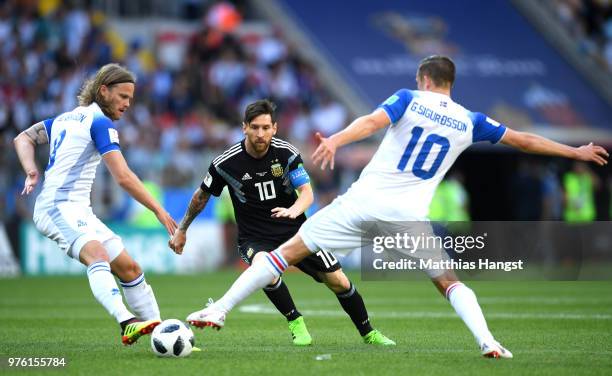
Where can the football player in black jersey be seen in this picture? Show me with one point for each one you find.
(270, 190)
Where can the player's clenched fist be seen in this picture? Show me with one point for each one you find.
(178, 242)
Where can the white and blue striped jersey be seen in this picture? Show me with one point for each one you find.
(428, 132)
(77, 140)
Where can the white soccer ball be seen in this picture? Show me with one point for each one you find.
(172, 338)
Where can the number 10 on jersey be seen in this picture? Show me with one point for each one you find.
(417, 166)
(266, 190)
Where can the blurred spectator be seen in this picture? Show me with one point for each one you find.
(226, 75)
(271, 49)
(579, 185)
(302, 127)
(451, 200)
(589, 22)
(552, 200)
(527, 189)
(223, 16)
(330, 116)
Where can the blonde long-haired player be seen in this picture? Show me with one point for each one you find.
(79, 140)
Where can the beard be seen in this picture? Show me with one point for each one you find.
(105, 106)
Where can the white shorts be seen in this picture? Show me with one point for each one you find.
(335, 228)
(342, 227)
(72, 225)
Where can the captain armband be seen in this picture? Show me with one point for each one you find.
(299, 176)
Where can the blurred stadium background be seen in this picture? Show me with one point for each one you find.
(540, 66)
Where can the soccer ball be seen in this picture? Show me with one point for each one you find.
(172, 338)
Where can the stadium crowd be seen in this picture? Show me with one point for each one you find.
(589, 22)
(182, 115)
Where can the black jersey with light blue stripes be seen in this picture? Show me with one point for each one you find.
(256, 186)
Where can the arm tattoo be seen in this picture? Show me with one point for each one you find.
(37, 133)
(196, 205)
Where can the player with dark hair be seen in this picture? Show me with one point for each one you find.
(270, 190)
(79, 140)
(426, 132)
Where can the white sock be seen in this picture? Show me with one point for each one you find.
(140, 298)
(106, 291)
(259, 275)
(463, 300)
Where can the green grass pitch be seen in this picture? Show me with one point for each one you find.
(553, 328)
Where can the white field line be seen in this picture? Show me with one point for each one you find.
(269, 310)
(436, 299)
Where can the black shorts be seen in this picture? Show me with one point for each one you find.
(320, 262)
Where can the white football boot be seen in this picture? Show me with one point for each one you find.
(209, 316)
(493, 349)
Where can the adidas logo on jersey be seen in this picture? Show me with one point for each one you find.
(246, 177)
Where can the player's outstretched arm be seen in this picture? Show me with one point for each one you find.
(25, 146)
(360, 128)
(196, 205)
(122, 174)
(532, 143)
(303, 202)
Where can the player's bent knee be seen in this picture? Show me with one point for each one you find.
(294, 250)
(135, 269)
(129, 271)
(125, 267)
